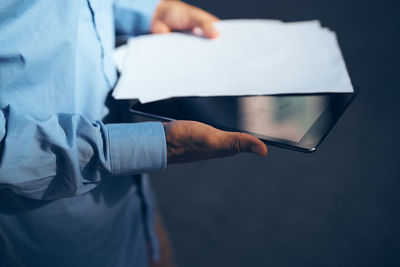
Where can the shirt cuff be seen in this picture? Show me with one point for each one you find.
(137, 148)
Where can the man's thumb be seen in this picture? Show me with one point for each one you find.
(248, 143)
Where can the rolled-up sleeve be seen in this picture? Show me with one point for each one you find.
(133, 17)
(67, 155)
(137, 148)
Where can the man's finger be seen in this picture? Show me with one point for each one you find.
(209, 30)
(205, 22)
(160, 27)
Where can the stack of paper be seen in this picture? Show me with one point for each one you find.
(251, 57)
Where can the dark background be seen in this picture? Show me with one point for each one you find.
(336, 207)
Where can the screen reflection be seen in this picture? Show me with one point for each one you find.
(284, 117)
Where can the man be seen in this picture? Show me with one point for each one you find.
(70, 194)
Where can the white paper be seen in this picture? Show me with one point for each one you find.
(251, 57)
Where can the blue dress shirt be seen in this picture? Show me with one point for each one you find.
(67, 194)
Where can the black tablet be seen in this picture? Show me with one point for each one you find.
(298, 122)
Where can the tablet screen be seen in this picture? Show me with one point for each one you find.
(296, 121)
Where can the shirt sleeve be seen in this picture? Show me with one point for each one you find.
(67, 155)
(133, 17)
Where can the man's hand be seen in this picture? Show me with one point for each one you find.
(173, 15)
(191, 141)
